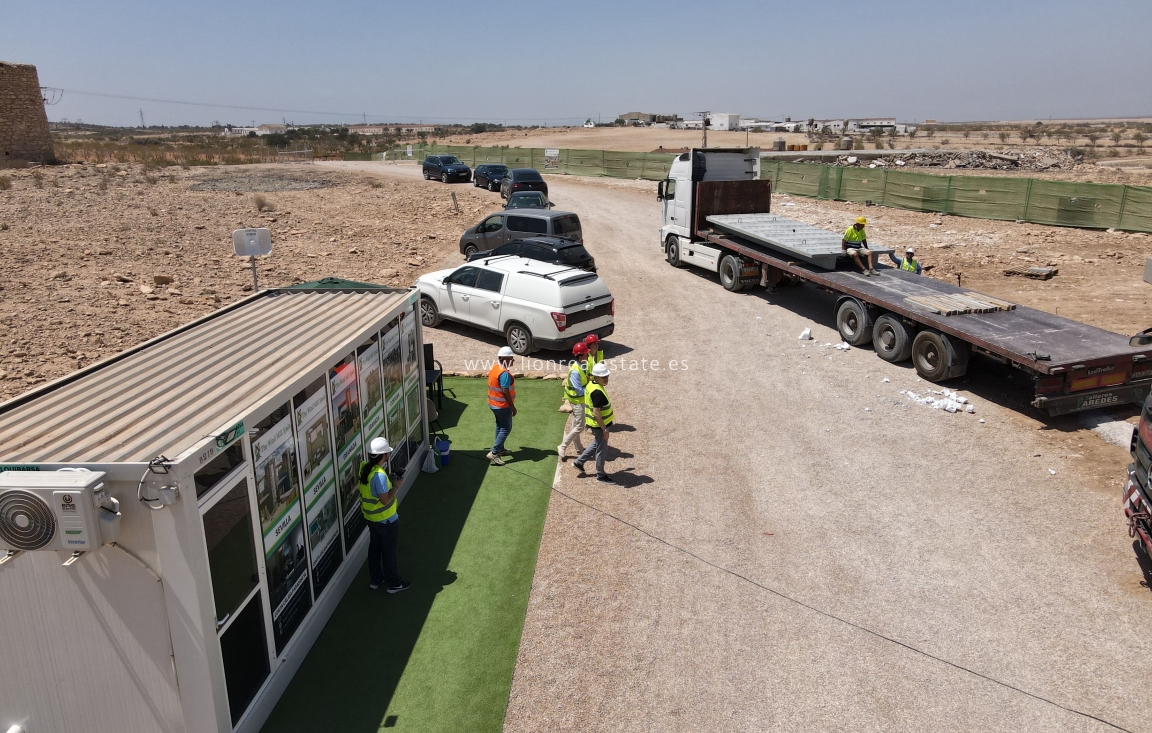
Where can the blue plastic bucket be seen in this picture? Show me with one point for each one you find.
(443, 446)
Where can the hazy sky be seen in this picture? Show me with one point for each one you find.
(552, 62)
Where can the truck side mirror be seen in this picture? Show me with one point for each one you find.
(1144, 338)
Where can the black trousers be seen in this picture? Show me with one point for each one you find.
(383, 538)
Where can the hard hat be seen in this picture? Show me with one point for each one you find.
(910, 251)
(505, 352)
(579, 349)
(379, 446)
(591, 339)
(861, 220)
(600, 370)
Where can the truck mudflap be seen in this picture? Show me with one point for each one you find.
(1136, 509)
(1092, 399)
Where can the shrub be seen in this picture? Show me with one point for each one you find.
(5, 183)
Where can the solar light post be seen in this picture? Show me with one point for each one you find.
(252, 243)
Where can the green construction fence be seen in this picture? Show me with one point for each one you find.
(1059, 203)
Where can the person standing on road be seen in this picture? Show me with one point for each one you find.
(595, 353)
(598, 416)
(855, 242)
(378, 505)
(574, 387)
(909, 263)
(502, 400)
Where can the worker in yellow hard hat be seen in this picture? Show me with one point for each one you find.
(855, 243)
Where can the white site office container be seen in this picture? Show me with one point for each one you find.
(197, 617)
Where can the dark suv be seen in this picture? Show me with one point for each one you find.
(522, 179)
(546, 249)
(489, 175)
(447, 168)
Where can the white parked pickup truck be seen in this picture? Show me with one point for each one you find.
(536, 305)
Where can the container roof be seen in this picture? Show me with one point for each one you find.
(167, 394)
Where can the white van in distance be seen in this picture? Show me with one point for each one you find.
(536, 305)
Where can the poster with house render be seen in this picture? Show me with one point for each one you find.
(372, 388)
(318, 477)
(346, 427)
(285, 559)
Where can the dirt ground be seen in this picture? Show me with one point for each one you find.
(86, 248)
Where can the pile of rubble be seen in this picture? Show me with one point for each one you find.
(1037, 159)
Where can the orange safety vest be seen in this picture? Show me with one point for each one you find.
(495, 392)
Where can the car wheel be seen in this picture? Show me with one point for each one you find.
(730, 274)
(443, 177)
(429, 313)
(426, 176)
(853, 322)
(891, 339)
(519, 339)
(673, 254)
(470, 250)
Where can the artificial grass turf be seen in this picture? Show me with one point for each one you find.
(439, 656)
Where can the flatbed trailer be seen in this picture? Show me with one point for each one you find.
(1074, 366)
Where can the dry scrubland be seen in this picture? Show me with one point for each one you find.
(86, 250)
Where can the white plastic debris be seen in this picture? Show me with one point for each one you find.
(806, 335)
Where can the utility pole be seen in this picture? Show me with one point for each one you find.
(141, 119)
(704, 127)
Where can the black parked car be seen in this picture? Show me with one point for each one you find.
(447, 168)
(528, 200)
(522, 179)
(547, 249)
(489, 175)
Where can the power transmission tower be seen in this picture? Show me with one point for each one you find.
(141, 119)
(704, 127)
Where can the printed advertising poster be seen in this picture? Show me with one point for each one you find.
(393, 371)
(277, 492)
(346, 427)
(408, 343)
(372, 388)
(319, 478)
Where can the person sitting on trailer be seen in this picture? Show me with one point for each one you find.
(908, 263)
(855, 241)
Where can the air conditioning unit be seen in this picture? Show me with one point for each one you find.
(67, 510)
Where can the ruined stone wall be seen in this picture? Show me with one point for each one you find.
(23, 123)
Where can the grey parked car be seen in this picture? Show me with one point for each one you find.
(506, 226)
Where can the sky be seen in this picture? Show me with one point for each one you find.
(550, 62)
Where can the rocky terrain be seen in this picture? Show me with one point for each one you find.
(99, 258)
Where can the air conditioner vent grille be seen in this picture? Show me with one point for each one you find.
(26, 521)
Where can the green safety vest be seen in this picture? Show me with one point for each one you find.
(908, 264)
(570, 393)
(370, 506)
(605, 412)
(851, 235)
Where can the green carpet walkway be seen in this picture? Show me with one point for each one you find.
(439, 657)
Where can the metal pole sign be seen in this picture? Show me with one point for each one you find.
(252, 243)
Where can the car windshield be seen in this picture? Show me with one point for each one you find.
(573, 254)
(449, 160)
(568, 227)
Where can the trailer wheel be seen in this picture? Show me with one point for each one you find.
(937, 357)
(892, 339)
(672, 247)
(853, 322)
(730, 274)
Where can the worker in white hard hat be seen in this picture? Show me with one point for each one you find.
(908, 262)
(378, 505)
(599, 417)
(502, 401)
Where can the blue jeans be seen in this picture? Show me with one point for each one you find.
(503, 427)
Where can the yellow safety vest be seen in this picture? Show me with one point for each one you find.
(370, 506)
(908, 264)
(570, 393)
(605, 412)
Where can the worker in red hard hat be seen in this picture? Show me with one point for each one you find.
(574, 385)
(595, 353)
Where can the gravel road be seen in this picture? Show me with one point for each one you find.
(794, 545)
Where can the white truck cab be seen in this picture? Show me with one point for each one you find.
(678, 195)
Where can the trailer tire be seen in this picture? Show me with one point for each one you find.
(891, 339)
(853, 322)
(672, 250)
(938, 357)
(730, 273)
